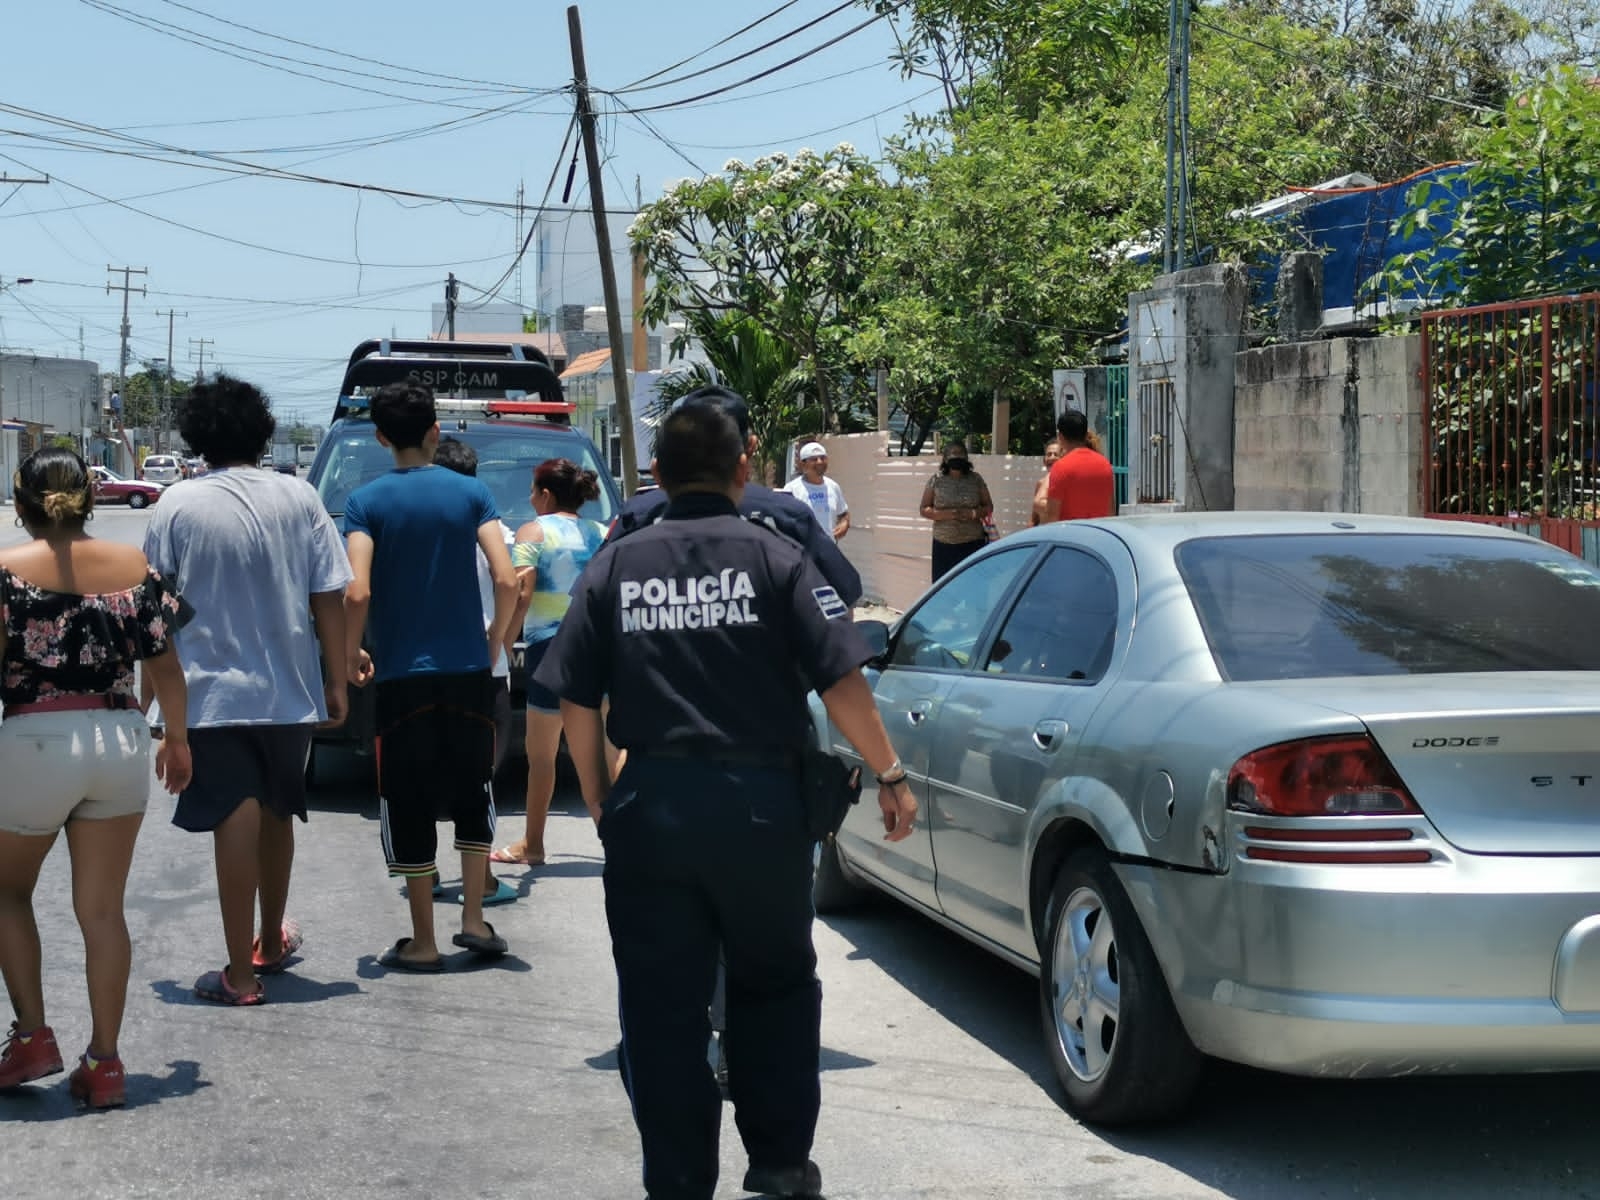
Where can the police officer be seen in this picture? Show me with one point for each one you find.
(706, 842)
(776, 510)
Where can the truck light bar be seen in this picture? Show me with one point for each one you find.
(488, 408)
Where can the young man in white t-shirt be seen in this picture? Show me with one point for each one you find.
(824, 496)
(461, 458)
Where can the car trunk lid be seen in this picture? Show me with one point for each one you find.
(1500, 763)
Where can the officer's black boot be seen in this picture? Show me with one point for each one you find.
(800, 1182)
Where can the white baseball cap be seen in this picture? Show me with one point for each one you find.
(813, 450)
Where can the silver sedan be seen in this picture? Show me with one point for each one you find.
(1314, 793)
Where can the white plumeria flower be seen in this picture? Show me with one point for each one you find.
(808, 210)
(734, 166)
(767, 213)
(846, 149)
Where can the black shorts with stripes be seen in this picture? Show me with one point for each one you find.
(435, 755)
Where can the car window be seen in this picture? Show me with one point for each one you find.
(507, 457)
(1064, 623)
(943, 631)
(1316, 606)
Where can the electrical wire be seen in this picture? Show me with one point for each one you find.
(717, 45)
(804, 137)
(218, 46)
(728, 62)
(773, 70)
(376, 62)
(489, 294)
(342, 262)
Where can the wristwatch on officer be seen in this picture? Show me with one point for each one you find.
(895, 774)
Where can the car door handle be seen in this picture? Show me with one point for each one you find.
(1048, 735)
(918, 712)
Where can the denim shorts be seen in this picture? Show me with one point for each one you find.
(72, 766)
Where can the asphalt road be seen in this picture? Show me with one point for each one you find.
(500, 1081)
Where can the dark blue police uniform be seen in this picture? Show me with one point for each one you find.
(706, 632)
(777, 511)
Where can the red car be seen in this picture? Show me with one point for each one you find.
(111, 488)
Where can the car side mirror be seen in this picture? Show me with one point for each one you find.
(876, 634)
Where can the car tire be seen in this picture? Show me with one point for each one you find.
(832, 891)
(1114, 1038)
(137, 500)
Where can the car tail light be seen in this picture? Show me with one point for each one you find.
(1319, 777)
(1346, 776)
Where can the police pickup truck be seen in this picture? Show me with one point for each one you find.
(504, 401)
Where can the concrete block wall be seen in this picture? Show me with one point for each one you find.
(1332, 426)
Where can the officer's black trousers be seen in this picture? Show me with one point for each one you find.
(700, 855)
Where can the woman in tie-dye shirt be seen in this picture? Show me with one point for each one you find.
(550, 553)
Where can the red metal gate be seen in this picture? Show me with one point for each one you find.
(1512, 417)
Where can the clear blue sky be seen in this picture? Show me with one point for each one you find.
(289, 322)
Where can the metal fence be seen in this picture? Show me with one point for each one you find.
(1512, 426)
(1117, 427)
(1157, 426)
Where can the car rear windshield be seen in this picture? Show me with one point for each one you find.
(506, 459)
(1315, 606)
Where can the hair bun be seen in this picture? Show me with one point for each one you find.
(65, 506)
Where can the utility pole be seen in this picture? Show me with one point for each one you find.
(1174, 242)
(126, 289)
(451, 290)
(608, 267)
(520, 255)
(200, 373)
(166, 383)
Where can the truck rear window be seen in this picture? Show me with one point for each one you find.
(506, 460)
(1319, 606)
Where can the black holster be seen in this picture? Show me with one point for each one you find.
(828, 788)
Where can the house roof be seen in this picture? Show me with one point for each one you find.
(588, 364)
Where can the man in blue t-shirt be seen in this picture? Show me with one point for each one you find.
(413, 538)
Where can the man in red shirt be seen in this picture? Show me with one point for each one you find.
(1082, 483)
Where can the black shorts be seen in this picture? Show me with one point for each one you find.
(538, 697)
(436, 747)
(235, 763)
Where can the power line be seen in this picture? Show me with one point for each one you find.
(770, 71)
(717, 45)
(728, 62)
(254, 56)
(221, 237)
(376, 62)
(154, 151)
(802, 137)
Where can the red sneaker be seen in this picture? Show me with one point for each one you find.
(97, 1083)
(28, 1056)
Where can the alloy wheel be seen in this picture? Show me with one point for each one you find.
(1086, 993)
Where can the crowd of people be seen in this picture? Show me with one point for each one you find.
(251, 616)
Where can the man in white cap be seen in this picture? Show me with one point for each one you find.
(825, 496)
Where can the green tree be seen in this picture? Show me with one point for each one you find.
(785, 242)
(764, 370)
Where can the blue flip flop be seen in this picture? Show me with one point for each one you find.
(503, 893)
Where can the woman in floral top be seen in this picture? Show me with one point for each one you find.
(76, 613)
(956, 500)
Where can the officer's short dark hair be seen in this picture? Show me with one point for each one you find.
(457, 456)
(403, 413)
(729, 402)
(698, 445)
(1073, 426)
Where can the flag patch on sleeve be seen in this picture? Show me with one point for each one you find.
(829, 603)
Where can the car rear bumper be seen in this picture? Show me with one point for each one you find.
(1471, 964)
